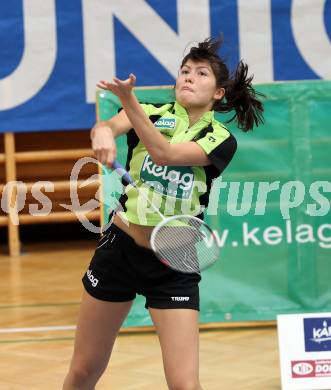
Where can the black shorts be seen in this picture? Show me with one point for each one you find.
(120, 269)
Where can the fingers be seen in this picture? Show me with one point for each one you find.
(110, 158)
(106, 85)
(102, 84)
(117, 83)
(105, 156)
(133, 78)
(121, 84)
(104, 147)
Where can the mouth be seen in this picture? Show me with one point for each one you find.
(187, 89)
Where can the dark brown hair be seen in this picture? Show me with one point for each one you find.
(240, 96)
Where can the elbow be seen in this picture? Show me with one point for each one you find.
(160, 162)
(160, 159)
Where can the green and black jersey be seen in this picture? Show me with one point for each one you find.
(174, 189)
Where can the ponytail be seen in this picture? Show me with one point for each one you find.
(242, 98)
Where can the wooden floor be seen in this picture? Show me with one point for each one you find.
(40, 293)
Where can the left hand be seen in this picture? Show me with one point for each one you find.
(121, 88)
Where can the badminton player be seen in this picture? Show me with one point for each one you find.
(180, 142)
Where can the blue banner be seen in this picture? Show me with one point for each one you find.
(54, 52)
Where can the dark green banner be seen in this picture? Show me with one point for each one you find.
(270, 209)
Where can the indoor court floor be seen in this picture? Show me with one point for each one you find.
(39, 300)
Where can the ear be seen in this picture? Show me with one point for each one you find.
(219, 93)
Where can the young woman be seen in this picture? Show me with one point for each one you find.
(183, 140)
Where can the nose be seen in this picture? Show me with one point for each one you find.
(188, 78)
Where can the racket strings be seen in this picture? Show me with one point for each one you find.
(185, 244)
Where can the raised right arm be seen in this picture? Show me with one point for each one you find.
(103, 136)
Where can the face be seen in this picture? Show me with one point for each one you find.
(196, 86)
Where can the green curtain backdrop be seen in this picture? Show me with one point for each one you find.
(272, 261)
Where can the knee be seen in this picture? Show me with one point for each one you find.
(82, 374)
(78, 376)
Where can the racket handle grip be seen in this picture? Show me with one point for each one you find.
(122, 172)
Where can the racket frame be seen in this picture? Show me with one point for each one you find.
(174, 217)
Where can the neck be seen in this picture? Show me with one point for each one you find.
(195, 114)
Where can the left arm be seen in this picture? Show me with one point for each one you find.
(160, 150)
(187, 154)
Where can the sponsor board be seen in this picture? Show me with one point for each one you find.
(86, 40)
(305, 356)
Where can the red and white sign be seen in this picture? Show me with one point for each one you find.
(311, 368)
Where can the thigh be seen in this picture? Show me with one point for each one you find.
(165, 288)
(178, 332)
(98, 324)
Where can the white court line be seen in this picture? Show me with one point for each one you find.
(37, 329)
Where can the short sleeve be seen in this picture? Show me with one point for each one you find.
(148, 108)
(153, 110)
(219, 145)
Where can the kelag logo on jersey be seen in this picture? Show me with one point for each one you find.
(317, 334)
(171, 181)
(166, 123)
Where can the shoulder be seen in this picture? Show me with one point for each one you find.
(219, 144)
(216, 134)
(224, 135)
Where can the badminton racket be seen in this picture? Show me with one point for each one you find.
(182, 242)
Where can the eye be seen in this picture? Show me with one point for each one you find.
(184, 71)
(202, 73)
